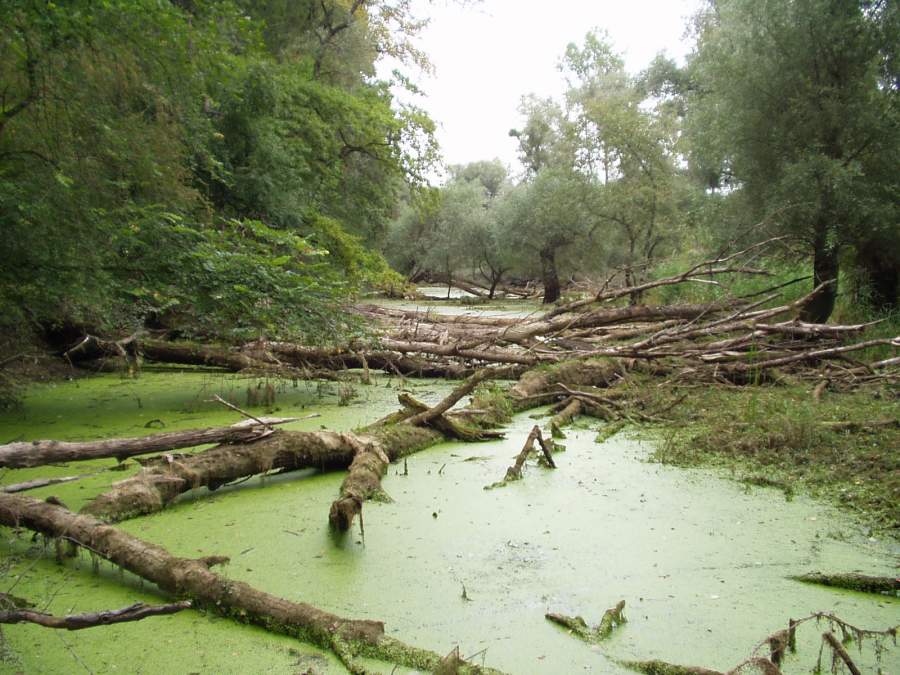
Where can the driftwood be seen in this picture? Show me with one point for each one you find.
(853, 581)
(778, 643)
(612, 618)
(194, 580)
(156, 486)
(514, 472)
(36, 453)
(134, 612)
(40, 482)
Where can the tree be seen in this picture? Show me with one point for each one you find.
(548, 216)
(539, 137)
(200, 165)
(795, 110)
(627, 146)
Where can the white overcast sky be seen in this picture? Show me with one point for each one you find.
(487, 56)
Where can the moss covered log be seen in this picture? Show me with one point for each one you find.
(194, 580)
(156, 486)
(853, 581)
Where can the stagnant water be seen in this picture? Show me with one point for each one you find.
(700, 560)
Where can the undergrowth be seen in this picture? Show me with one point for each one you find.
(781, 437)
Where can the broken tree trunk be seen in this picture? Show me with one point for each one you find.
(853, 581)
(840, 652)
(194, 580)
(135, 612)
(370, 461)
(155, 487)
(514, 472)
(612, 618)
(37, 453)
(569, 411)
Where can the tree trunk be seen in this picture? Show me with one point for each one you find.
(882, 273)
(155, 487)
(38, 453)
(825, 268)
(549, 275)
(193, 579)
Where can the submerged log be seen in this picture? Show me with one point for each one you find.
(664, 668)
(853, 582)
(612, 618)
(155, 487)
(514, 472)
(135, 612)
(760, 664)
(194, 580)
(37, 453)
(40, 482)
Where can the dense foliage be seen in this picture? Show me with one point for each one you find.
(785, 121)
(218, 167)
(231, 168)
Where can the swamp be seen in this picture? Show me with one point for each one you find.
(304, 371)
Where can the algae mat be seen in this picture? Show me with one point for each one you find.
(700, 560)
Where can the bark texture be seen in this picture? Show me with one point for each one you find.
(38, 453)
(135, 612)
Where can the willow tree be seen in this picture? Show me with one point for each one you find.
(550, 220)
(794, 108)
(626, 144)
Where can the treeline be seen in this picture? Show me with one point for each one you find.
(784, 121)
(224, 168)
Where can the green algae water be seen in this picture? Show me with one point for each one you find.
(700, 561)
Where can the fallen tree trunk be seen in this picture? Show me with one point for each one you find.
(194, 580)
(569, 411)
(199, 355)
(337, 358)
(612, 618)
(522, 332)
(155, 487)
(135, 612)
(514, 472)
(853, 582)
(370, 461)
(37, 453)
(429, 316)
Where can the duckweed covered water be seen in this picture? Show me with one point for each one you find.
(700, 561)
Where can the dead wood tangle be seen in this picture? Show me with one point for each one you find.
(576, 357)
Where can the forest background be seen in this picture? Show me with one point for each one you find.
(228, 170)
